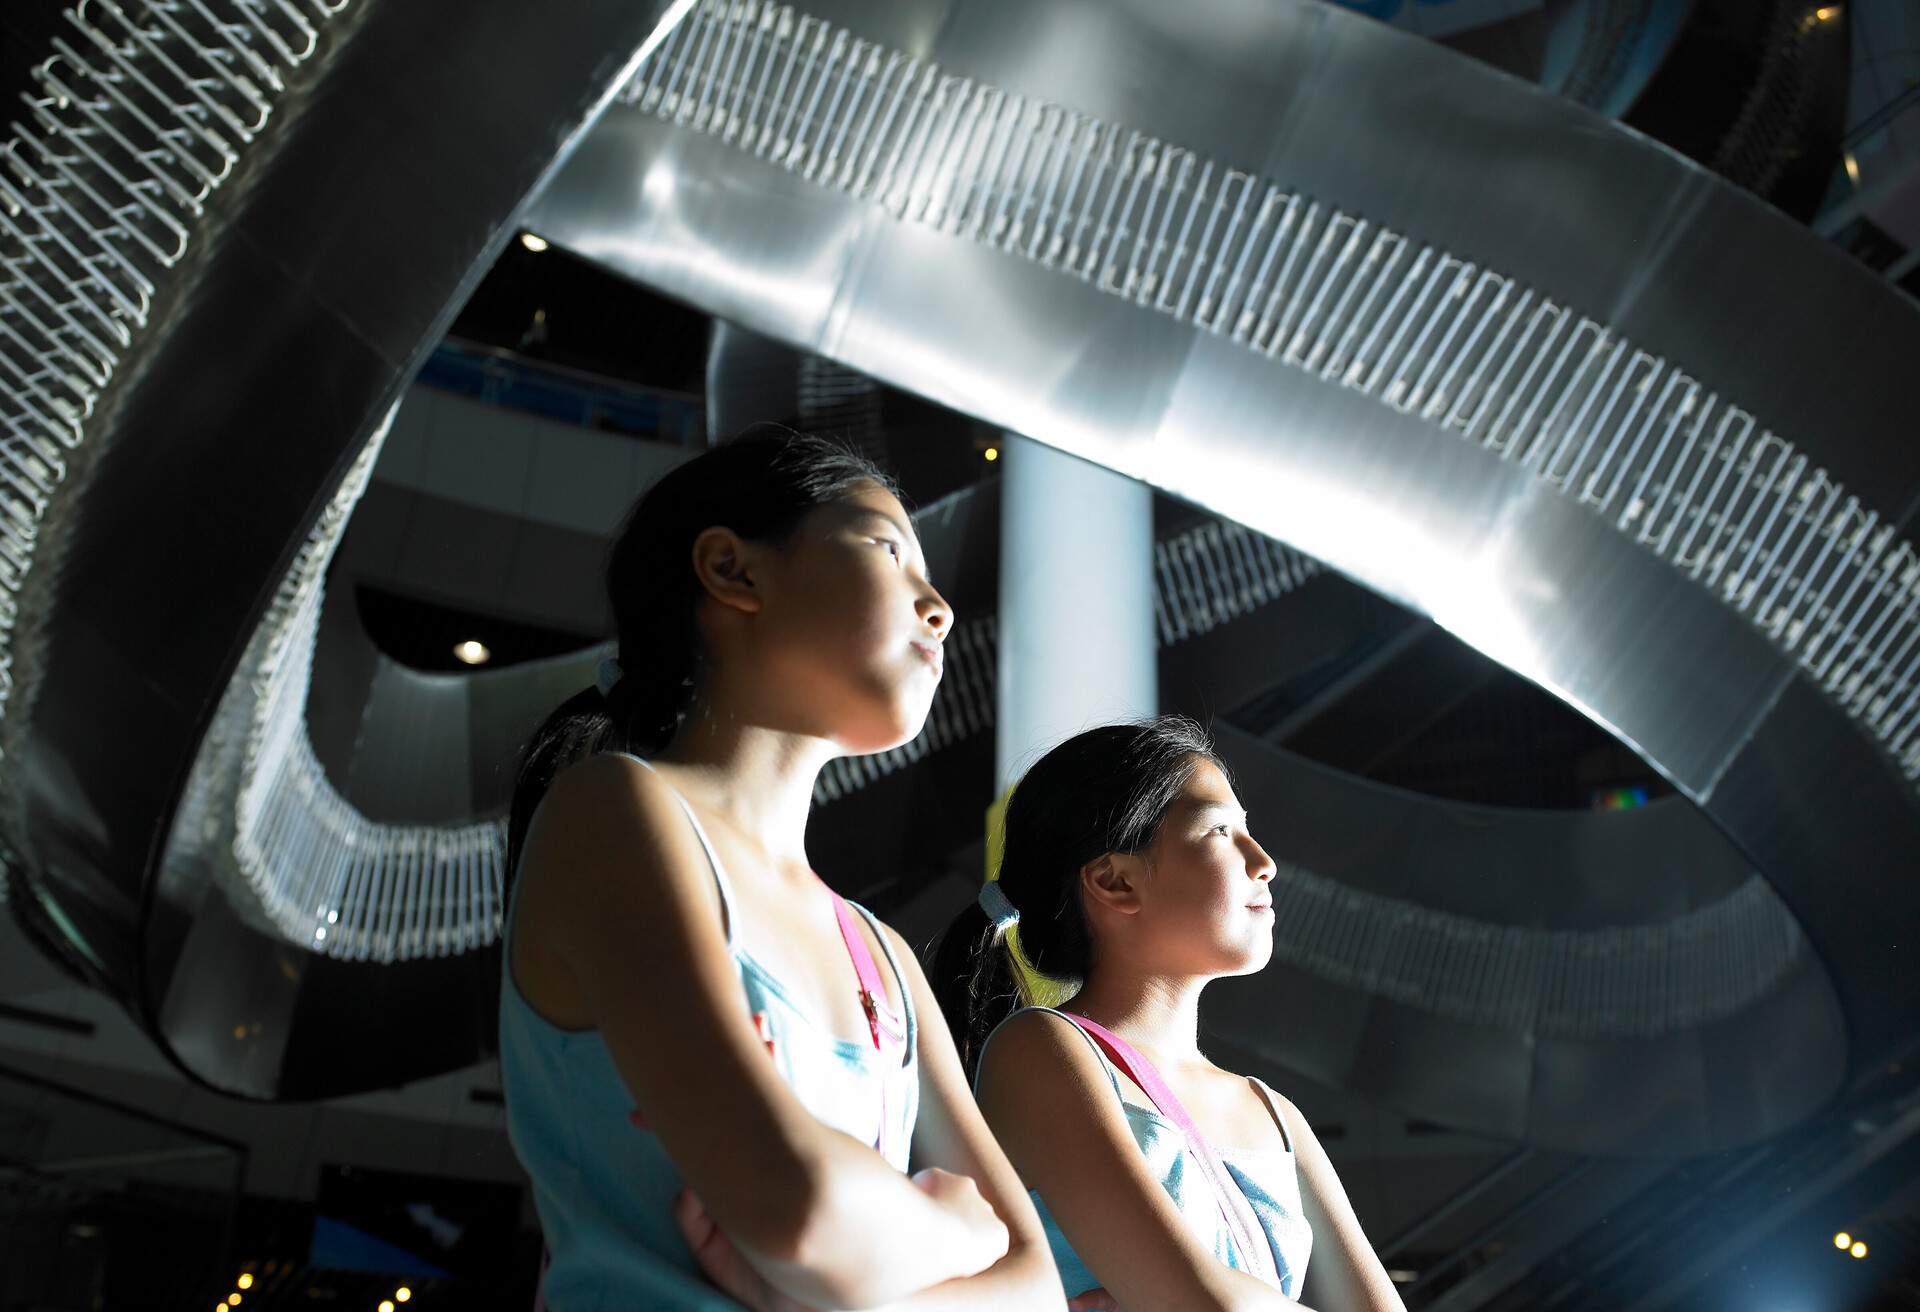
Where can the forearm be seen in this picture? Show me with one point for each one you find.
(1236, 1291)
(869, 1236)
(1343, 1285)
(1024, 1278)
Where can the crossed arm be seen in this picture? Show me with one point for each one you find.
(630, 908)
(1048, 1100)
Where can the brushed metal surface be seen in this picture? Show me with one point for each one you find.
(1616, 424)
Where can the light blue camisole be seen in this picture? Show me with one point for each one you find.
(1265, 1175)
(604, 1189)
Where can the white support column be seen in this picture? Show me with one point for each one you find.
(1077, 642)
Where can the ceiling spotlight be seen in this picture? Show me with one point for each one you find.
(245, 1281)
(471, 652)
(386, 1305)
(533, 242)
(1843, 1241)
(402, 1294)
(1827, 13)
(991, 453)
(1859, 1249)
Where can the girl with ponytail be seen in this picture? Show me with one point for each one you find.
(1128, 880)
(717, 1072)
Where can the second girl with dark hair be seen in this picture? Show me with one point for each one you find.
(1129, 875)
(717, 1072)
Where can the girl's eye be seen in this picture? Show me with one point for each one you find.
(892, 546)
(1226, 830)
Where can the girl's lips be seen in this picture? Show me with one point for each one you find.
(931, 653)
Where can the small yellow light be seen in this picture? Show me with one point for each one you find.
(245, 1281)
(1859, 1249)
(1853, 167)
(386, 1305)
(471, 652)
(233, 1300)
(1827, 13)
(1842, 1240)
(402, 1294)
(991, 453)
(533, 243)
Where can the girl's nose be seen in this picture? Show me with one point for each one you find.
(1260, 866)
(935, 613)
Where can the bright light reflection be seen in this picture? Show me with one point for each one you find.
(1859, 1249)
(472, 653)
(1843, 1240)
(533, 242)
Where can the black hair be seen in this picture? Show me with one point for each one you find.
(1106, 790)
(760, 484)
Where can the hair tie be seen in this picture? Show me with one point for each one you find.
(993, 901)
(608, 676)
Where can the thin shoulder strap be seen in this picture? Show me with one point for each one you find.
(1100, 1056)
(1242, 1224)
(870, 975)
(706, 845)
(1267, 1096)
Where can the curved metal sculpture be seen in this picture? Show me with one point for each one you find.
(1368, 335)
(230, 233)
(1602, 416)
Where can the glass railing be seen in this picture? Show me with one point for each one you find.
(498, 377)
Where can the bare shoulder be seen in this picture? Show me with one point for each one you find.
(601, 798)
(611, 827)
(897, 943)
(1299, 1131)
(602, 789)
(1028, 1055)
(1283, 1104)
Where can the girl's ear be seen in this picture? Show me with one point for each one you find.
(1110, 882)
(721, 561)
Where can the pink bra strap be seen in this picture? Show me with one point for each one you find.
(887, 1032)
(1241, 1223)
(889, 1035)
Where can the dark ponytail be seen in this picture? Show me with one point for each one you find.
(761, 485)
(1104, 790)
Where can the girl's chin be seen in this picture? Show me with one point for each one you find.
(897, 731)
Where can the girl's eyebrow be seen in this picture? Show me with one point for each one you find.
(1222, 808)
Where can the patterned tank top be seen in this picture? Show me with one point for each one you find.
(1266, 1176)
(604, 1189)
